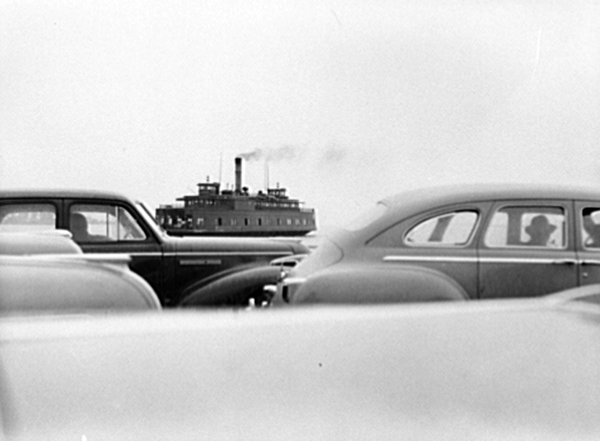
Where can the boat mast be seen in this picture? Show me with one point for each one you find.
(220, 167)
(266, 174)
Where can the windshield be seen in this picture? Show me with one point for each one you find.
(148, 217)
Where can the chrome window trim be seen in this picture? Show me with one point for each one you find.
(212, 253)
(430, 259)
(538, 260)
(228, 253)
(200, 254)
(454, 259)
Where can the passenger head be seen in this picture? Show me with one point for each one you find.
(78, 226)
(539, 230)
(591, 228)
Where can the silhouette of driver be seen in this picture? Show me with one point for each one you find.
(79, 227)
(539, 230)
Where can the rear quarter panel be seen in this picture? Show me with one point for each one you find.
(377, 284)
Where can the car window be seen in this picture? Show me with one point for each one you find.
(449, 229)
(519, 226)
(103, 223)
(27, 217)
(590, 227)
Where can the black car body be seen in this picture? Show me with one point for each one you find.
(117, 224)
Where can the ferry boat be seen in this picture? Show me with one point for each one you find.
(236, 212)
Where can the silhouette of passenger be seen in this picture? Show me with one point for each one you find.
(592, 229)
(79, 227)
(539, 230)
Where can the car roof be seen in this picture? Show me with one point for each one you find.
(413, 202)
(584, 293)
(443, 195)
(61, 193)
(516, 369)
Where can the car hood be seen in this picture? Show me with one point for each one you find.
(500, 370)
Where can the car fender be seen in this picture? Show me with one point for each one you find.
(201, 282)
(234, 288)
(377, 285)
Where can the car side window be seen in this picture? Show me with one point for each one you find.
(449, 229)
(27, 217)
(590, 226)
(103, 223)
(518, 226)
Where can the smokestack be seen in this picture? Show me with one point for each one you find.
(238, 175)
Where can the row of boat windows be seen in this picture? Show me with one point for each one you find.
(200, 222)
(222, 203)
(275, 205)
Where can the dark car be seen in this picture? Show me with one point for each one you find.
(472, 242)
(500, 370)
(104, 222)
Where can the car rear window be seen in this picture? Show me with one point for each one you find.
(27, 217)
(450, 229)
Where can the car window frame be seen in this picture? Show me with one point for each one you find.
(38, 201)
(466, 244)
(583, 205)
(405, 224)
(565, 205)
(132, 210)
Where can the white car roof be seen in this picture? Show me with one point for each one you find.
(500, 370)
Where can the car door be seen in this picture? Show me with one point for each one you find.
(527, 249)
(443, 240)
(115, 227)
(588, 241)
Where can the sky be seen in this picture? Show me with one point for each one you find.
(340, 102)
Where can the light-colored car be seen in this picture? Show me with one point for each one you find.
(497, 370)
(463, 242)
(54, 242)
(48, 273)
(71, 283)
(589, 294)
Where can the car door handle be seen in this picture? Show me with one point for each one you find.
(564, 262)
